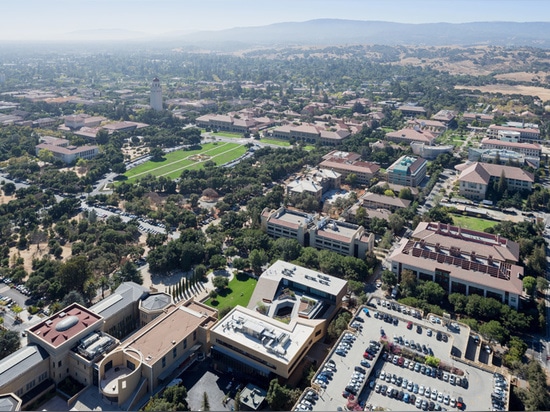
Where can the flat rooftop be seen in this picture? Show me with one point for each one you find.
(64, 325)
(291, 219)
(338, 231)
(155, 339)
(262, 334)
(281, 270)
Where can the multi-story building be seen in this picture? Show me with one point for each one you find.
(234, 122)
(411, 135)
(475, 178)
(374, 201)
(77, 121)
(412, 111)
(312, 133)
(526, 149)
(501, 156)
(525, 134)
(481, 118)
(435, 127)
(430, 152)
(61, 149)
(340, 237)
(445, 116)
(150, 356)
(462, 261)
(347, 163)
(314, 181)
(407, 171)
(288, 312)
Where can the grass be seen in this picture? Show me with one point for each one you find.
(229, 134)
(176, 162)
(275, 142)
(309, 147)
(238, 292)
(474, 223)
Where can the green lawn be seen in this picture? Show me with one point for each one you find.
(228, 134)
(474, 223)
(276, 142)
(309, 147)
(238, 292)
(179, 160)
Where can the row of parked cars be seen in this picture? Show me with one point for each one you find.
(399, 308)
(427, 370)
(307, 402)
(498, 397)
(21, 288)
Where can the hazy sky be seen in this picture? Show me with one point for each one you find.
(44, 19)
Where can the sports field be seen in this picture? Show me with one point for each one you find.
(176, 162)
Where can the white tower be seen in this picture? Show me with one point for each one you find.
(156, 95)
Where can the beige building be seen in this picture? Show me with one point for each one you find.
(475, 178)
(312, 133)
(61, 149)
(288, 312)
(409, 136)
(150, 356)
(462, 261)
(346, 163)
(321, 233)
(314, 181)
(527, 134)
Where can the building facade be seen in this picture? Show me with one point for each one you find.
(322, 233)
(407, 171)
(462, 261)
(347, 163)
(475, 179)
(155, 98)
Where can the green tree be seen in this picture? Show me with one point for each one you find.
(74, 273)
(431, 292)
(220, 282)
(351, 179)
(338, 325)
(396, 223)
(9, 188)
(529, 285)
(157, 154)
(279, 397)
(542, 284)
(257, 259)
(406, 194)
(389, 279)
(407, 283)
(172, 399)
(493, 330)
(217, 262)
(9, 342)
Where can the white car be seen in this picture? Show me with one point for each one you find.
(421, 390)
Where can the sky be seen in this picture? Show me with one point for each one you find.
(47, 19)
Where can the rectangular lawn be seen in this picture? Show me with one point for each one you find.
(474, 223)
(238, 292)
(176, 162)
(275, 142)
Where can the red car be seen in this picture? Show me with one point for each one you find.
(409, 325)
(367, 355)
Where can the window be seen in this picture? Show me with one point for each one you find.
(194, 335)
(164, 361)
(174, 352)
(59, 364)
(185, 343)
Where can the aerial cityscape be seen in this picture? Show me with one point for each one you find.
(231, 206)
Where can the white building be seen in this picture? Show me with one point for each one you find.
(155, 100)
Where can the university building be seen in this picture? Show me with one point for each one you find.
(462, 261)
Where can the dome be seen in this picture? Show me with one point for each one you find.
(157, 302)
(66, 323)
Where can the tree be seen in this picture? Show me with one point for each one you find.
(74, 273)
(220, 282)
(407, 283)
(542, 284)
(257, 259)
(9, 188)
(238, 401)
(205, 402)
(157, 154)
(9, 342)
(172, 399)
(529, 285)
(279, 397)
(73, 297)
(130, 273)
(351, 179)
(200, 271)
(431, 292)
(17, 310)
(217, 262)
(396, 223)
(493, 330)
(389, 279)
(406, 194)
(286, 249)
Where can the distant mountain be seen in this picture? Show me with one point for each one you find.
(103, 34)
(338, 32)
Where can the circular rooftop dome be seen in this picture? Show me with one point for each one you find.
(66, 323)
(157, 301)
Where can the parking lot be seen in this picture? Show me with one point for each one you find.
(400, 337)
